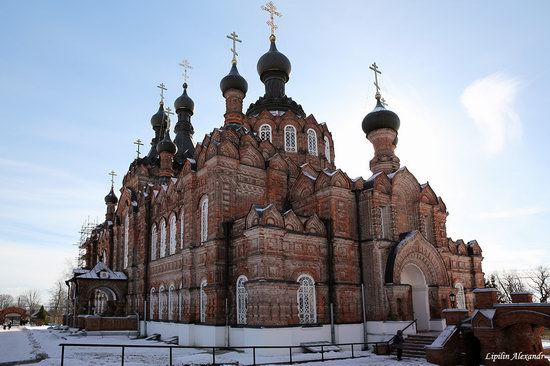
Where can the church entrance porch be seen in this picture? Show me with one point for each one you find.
(413, 276)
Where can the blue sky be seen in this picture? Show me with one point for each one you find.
(468, 79)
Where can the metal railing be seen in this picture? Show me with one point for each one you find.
(354, 346)
(214, 349)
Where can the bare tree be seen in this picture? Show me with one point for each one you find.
(540, 282)
(31, 300)
(58, 301)
(5, 301)
(508, 282)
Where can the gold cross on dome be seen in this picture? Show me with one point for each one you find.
(162, 88)
(235, 38)
(272, 10)
(374, 67)
(113, 175)
(186, 66)
(139, 144)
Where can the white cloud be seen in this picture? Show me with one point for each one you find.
(490, 103)
(511, 213)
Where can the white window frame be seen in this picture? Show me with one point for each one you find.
(154, 240)
(306, 300)
(203, 301)
(265, 131)
(290, 139)
(173, 230)
(204, 218)
(152, 302)
(161, 302)
(162, 238)
(126, 240)
(312, 142)
(180, 304)
(460, 296)
(327, 149)
(171, 301)
(241, 296)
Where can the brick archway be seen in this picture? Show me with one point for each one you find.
(416, 250)
(523, 316)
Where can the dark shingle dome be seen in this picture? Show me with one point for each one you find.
(380, 117)
(234, 80)
(273, 60)
(158, 118)
(184, 102)
(166, 144)
(111, 197)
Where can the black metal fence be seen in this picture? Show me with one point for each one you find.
(355, 347)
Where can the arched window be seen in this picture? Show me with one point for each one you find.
(306, 300)
(203, 301)
(460, 297)
(204, 218)
(327, 148)
(265, 132)
(242, 300)
(104, 256)
(385, 222)
(152, 304)
(312, 142)
(154, 239)
(100, 302)
(173, 234)
(171, 302)
(290, 139)
(162, 238)
(182, 228)
(126, 238)
(162, 303)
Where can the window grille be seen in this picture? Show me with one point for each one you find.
(312, 142)
(126, 238)
(242, 300)
(265, 132)
(154, 240)
(327, 149)
(306, 300)
(204, 219)
(172, 234)
(290, 139)
(203, 301)
(163, 238)
(460, 297)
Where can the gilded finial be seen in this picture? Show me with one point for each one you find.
(374, 68)
(235, 38)
(272, 10)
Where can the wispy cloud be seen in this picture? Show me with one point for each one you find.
(490, 103)
(511, 213)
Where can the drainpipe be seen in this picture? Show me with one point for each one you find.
(359, 246)
(227, 227)
(330, 268)
(148, 220)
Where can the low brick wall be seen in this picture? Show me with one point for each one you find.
(93, 323)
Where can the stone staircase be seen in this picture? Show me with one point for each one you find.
(414, 345)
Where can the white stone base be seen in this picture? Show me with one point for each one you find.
(207, 335)
(437, 325)
(382, 331)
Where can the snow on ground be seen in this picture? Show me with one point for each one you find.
(28, 343)
(15, 345)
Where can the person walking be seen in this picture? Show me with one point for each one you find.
(398, 341)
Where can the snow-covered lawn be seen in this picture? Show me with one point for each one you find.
(29, 343)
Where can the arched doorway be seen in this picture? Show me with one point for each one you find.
(102, 301)
(413, 276)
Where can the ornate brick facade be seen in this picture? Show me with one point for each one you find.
(262, 198)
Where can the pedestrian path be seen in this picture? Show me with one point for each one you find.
(14, 345)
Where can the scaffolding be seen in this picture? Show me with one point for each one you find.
(85, 233)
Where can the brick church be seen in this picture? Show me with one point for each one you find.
(254, 236)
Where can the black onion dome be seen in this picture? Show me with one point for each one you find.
(158, 118)
(273, 60)
(184, 102)
(380, 117)
(166, 144)
(111, 197)
(233, 80)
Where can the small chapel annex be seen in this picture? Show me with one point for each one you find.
(253, 235)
